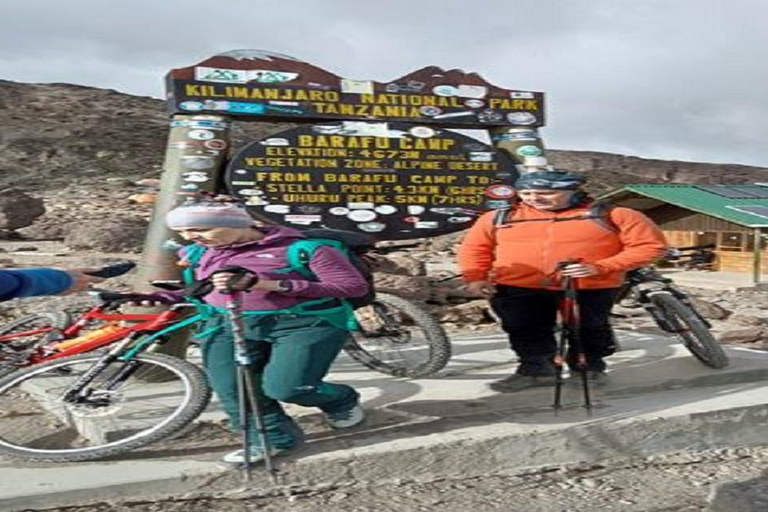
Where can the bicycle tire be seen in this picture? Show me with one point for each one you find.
(37, 424)
(399, 354)
(693, 333)
(8, 355)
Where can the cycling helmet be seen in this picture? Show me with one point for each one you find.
(556, 179)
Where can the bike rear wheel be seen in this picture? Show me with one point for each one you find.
(23, 335)
(691, 330)
(37, 421)
(399, 338)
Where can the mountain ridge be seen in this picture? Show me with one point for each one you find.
(60, 134)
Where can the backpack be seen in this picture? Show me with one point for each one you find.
(299, 254)
(598, 212)
(353, 245)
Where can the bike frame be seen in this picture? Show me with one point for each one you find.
(644, 282)
(63, 345)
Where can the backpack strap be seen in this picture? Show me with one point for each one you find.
(598, 212)
(192, 257)
(501, 215)
(300, 253)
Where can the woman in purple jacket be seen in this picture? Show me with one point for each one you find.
(294, 347)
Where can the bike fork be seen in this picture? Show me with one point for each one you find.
(75, 390)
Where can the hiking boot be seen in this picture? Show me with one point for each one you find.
(257, 454)
(517, 382)
(345, 419)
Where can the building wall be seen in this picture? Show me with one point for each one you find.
(734, 243)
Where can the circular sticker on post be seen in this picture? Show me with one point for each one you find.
(361, 215)
(445, 90)
(372, 227)
(500, 191)
(385, 209)
(251, 192)
(201, 134)
(278, 208)
(338, 210)
(197, 163)
(196, 176)
(529, 150)
(422, 132)
(429, 110)
(521, 118)
(216, 144)
(191, 106)
(474, 103)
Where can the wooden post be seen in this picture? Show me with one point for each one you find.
(757, 255)
(522, 144)
(194, 163)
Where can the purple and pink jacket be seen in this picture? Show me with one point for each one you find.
(336, 276)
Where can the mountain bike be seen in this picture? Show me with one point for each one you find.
(68, 405)
(674, 313)
(399, 338)
(93, 405)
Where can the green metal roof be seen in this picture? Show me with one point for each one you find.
(709, 202)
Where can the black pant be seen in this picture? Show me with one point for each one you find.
(528, 316)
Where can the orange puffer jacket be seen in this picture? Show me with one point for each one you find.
(526, 252)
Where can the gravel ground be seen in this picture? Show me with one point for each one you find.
(677, 482)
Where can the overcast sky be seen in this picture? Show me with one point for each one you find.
(669, 79)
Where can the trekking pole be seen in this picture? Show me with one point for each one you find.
(248, 399)
(570, 339)
(573, 320)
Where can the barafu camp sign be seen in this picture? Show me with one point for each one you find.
(391, 180)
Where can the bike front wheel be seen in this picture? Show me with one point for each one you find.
(691, 330)
(399, 338)
(122, 408)
(21, 337)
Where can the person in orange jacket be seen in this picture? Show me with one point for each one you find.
(513, 260)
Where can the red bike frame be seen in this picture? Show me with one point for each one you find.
(67, 344)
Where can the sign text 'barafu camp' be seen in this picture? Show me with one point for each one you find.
(391, 180)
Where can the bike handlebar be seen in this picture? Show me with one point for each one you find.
(695, 247)
(115, 270)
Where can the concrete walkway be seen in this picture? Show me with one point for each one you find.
(660, 399)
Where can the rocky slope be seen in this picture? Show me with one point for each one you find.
(91, 153)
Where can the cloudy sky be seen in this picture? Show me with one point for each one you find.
(669, 79)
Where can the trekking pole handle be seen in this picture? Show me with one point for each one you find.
(237, 274)
(571, 261)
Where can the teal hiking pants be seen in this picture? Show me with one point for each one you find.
(291, 356)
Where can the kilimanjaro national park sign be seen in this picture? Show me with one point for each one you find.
(391, 180)
(255, 84)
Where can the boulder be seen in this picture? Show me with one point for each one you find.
(746, 335)
(409, 287)
(401, 264)
(745, 319)
(143, 198)
(710, 309)
(471, 313)
(110, 235)
(18, 210)
(447, 242)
